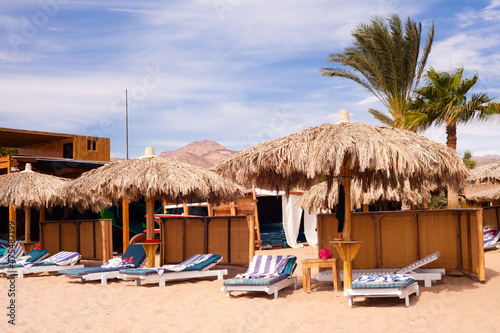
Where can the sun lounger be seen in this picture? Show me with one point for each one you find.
(134, 257)
(490, 238)
(33, 256)
(55, 263)
(12, 254)
(265, 273)
(418, 274)
(399, 285)
(195, 267)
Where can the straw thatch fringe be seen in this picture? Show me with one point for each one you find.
(491, 194)
(153, 177)
(377, 156)
(29, 188)
(486, 173)
(320, 197)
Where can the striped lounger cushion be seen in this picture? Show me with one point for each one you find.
(35, 256)
(286, 272)
(214, 258)
(399, 281)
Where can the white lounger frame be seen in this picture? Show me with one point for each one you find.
(36, 269)
(173, 276)
(418, 274)
(103, 276)
(268, 289)
(427, 275)
(384, 292)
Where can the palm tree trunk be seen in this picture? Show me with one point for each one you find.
(451, 141)
(451, 135)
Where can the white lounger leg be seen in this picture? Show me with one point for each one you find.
(162, 282)
(137, 282)
(104, 279)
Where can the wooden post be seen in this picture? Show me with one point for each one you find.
(346, 234)
(107, 240)
(210, 209)
(256, 213)
(480, 245)
(150, 218)
(42, 214)
(27, 224)
(164, 203)
(366, 208)
(251, 237)
(12, 227)
(126, 223)
(186, 208)
(233, 209)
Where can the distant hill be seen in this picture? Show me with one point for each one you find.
(486, 159)
(204, 153)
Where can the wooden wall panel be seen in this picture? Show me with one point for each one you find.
(87, 242)
(173, 241)
(239, 241)
(218, 238)
(194, 237)
(398, 234)
(68, 237)
(50, 238)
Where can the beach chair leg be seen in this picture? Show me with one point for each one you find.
(418, 290)
(20, 274)
(350, 301)
(104, 279)
(294, 283)
(427, 282)
(220, 276)
(137, 282)
(162, 283)
(275, 293)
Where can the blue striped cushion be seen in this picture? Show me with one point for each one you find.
(254, 281)
(87, 270)
(136, 251)
(385, 281)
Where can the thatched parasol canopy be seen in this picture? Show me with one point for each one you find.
(318, 196)
(492, 194)
(486, 173)
(152, 177)
(30, 189)
(376, 155)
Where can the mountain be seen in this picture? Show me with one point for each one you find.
(204, 153)
(486, 159)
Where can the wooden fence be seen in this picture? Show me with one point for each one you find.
(396, 239)
(491, 217)
(228, 236)
(93, 239)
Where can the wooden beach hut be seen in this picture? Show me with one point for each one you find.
(375, 155)
(152, 178)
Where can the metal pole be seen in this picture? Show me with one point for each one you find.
(126, 118)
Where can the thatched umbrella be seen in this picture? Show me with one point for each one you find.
(376, 155)
(486, 173)
(28, 189)
(318, 196)
(490, 195)
(151, 177)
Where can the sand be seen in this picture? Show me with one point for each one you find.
(53, 303)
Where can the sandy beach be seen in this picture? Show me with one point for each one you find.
(53, 303)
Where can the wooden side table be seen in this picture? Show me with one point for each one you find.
(307, 264)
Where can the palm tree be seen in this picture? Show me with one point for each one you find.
(444, 101)
(385, 60)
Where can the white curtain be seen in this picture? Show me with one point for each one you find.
(310, 228)
(291, 219)
(291, 222)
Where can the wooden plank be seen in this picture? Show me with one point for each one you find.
(459, 245)
(229, 240)
(205, 235)
(150, 218)
(480, 245)
(27, 224)
(469, 245)
(378, 247)
(183, 239)
(417, 239)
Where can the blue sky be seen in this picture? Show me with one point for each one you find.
(235, 71)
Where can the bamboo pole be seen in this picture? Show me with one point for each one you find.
(186, 208)
(126, 223)
(150, 218)
(480, 243)
(251, 237)
(12, 226)
(27, 224)
(256, 212)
